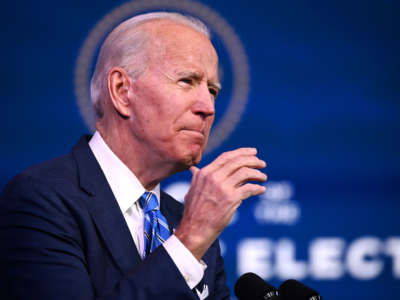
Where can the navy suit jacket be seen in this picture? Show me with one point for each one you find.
(63, 236)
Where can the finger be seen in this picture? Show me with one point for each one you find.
(250, 189)
(244, 175)
(240, 162)
(194, 170)
(226, 157)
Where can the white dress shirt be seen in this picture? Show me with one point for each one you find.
(127, 189)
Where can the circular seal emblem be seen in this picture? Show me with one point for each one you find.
(239, 68)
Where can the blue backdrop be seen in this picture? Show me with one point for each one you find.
(318, 95)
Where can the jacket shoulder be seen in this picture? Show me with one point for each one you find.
(60, 170)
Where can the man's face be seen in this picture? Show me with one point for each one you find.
(173, 100)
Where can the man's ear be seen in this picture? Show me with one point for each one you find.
(119, 83)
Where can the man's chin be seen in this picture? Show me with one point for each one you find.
(188, 157)
(193, 158)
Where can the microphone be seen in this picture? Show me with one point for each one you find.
(293, 290)
(250, 286)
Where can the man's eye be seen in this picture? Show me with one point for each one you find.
(186, 80)
(213, 92)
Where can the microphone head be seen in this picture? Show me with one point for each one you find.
(293, 290)
(250, 286)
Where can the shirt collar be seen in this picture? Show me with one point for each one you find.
(124, 184)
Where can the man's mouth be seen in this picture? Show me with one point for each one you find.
(198, 130)
(195, 132)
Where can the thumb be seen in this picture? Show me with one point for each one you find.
(194, 170)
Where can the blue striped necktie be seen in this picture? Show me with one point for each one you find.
(156, 229)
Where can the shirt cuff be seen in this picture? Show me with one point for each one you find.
(191, 269)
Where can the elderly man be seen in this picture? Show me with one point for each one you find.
(94, 224)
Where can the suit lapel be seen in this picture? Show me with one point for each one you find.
(104, 208)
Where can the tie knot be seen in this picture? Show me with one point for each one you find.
(148, 202)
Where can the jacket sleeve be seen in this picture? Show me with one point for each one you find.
(42, 254)
(221, 290)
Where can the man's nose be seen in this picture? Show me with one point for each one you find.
(204, 103)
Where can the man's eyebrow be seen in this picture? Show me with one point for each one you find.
(197, 75)
(193, 74)
(216, 85)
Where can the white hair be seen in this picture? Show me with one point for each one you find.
(125, 47)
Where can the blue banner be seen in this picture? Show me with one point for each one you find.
(313, 85)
